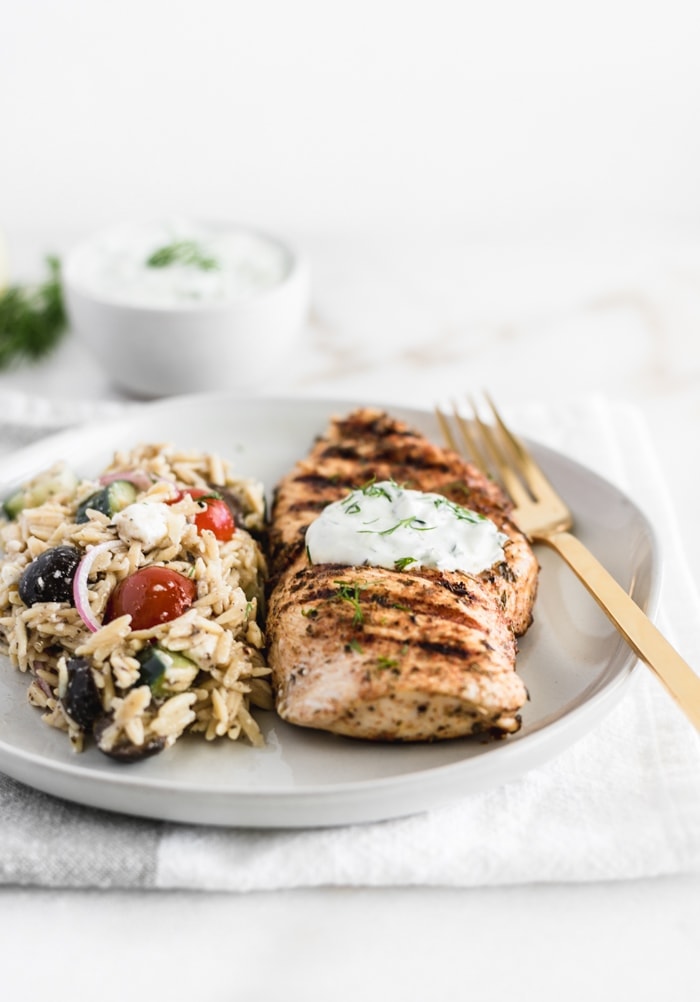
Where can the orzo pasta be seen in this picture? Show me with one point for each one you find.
(133, 601)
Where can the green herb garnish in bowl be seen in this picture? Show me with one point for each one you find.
(182, 252)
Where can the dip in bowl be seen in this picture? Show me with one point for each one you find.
(178, 307)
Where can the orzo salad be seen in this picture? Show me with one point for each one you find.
(133, 601)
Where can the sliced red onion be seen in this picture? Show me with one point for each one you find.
(80, 586)
(138, 478)
(43, 685)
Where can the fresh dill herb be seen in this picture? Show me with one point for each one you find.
(182, 252)
(374, 490)
(351, 508)
(401, 608)
(309, 613)
(403, 562)
(351, 593)
(384, 662)
(412, 522)
(32, 319)
(463, 514)
(354, 645)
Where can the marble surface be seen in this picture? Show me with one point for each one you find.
(410, 318)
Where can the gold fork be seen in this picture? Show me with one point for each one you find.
(544, 517)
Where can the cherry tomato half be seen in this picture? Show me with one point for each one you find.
(214, 515)
(150, 596)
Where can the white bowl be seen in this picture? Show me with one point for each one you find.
(186, 328)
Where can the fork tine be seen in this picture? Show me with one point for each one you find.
(518, 493)
(446, 430)
(533, 476)
(470, 441)
(486, 458)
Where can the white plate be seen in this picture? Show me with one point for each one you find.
(572, 661)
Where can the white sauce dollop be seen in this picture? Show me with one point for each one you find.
(238, 264)
(384, 525)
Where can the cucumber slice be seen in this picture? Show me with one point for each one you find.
(59, 480)
(157, 664)
(111, 499)
(16, 503)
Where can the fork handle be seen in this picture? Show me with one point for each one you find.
(645, 640)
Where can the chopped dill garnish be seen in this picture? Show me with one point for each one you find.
(309, 613)
(353, 645)
(182, 252)
(462, 513)
(412, 522)
(374, 490)
(403, 562)
(384, 662)
(351, 593)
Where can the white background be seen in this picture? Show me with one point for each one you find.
(500, 118)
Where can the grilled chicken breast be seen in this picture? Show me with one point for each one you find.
(385, 654)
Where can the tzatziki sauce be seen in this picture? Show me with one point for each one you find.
(385, 525)
(180, 263)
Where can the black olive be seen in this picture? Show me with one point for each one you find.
(239, 511)
(124, 750)
(233, 503)
(49, 577)
(82, 699)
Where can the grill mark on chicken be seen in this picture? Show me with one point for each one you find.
(316, 480)
(308, 506)
(417, 654)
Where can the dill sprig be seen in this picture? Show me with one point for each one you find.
(182, 252)
(384, 662)
(411, 522)
(348, 592)
(32, 319)
(403, 562)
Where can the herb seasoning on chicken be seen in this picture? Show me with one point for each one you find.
(415, 649)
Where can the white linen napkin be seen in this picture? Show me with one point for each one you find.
(623, 802)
